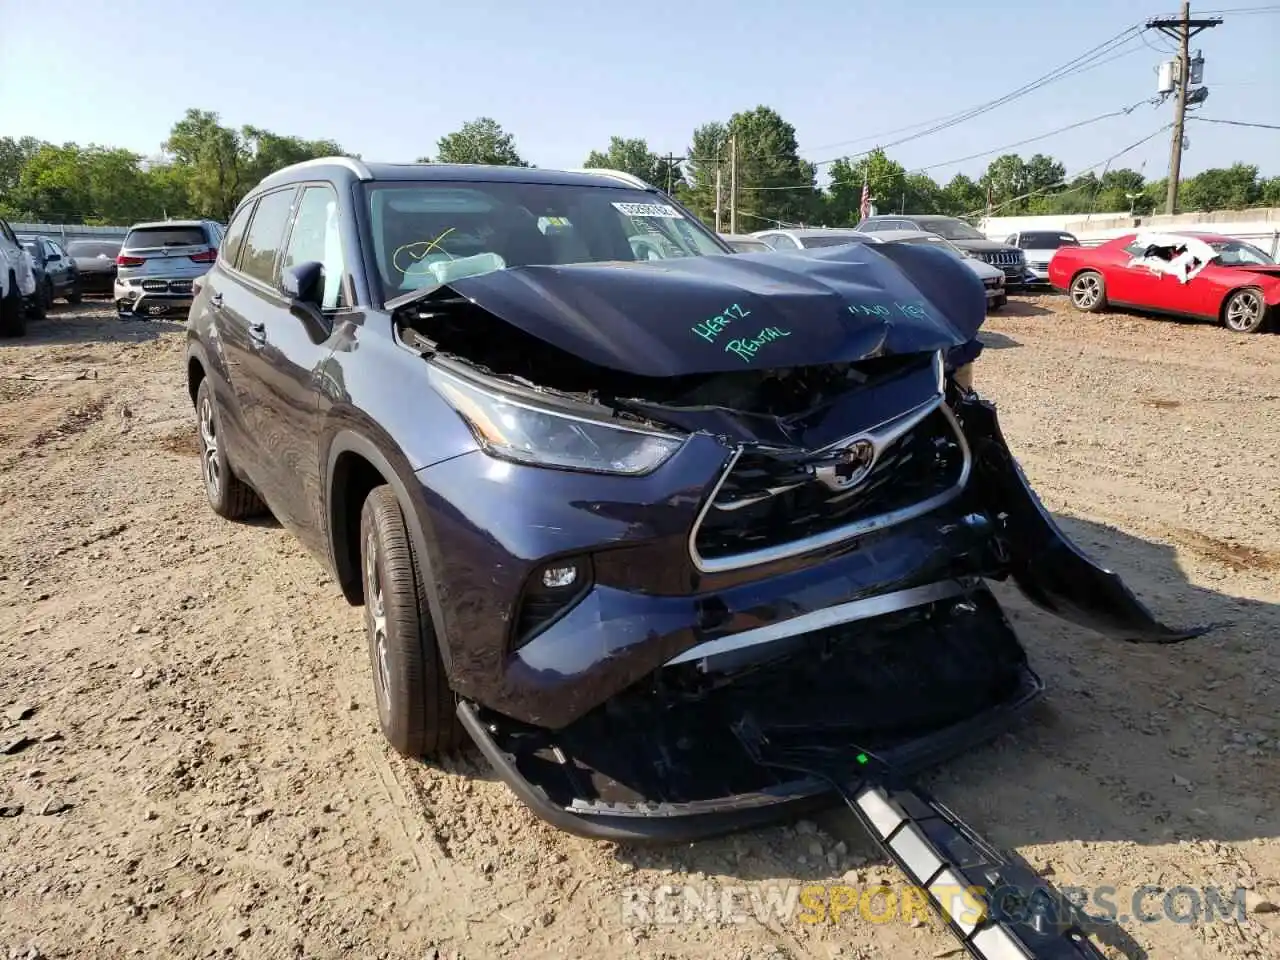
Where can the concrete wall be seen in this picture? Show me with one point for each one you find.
(1259, 226)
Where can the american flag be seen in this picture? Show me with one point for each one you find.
(864, 209)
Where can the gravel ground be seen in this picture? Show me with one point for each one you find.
(191, 764)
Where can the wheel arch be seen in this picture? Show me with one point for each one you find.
(1267, 308)
(355, 465)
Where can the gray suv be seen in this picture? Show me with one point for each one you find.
(158, 264)
(1008, 258)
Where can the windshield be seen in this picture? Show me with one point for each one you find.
(831, 240)
(427, 233)
(951, 229)
(1234, 253)
(1046, 241)
(143, 237)
(31, 247)
(88, 249)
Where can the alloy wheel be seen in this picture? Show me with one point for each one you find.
(374, 600)
(209, 449)
(1243, 311)
(1085, 291)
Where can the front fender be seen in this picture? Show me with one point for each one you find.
(1053, 573)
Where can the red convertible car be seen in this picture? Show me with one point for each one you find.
(1182, 274)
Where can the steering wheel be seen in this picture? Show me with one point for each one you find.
(639, 245)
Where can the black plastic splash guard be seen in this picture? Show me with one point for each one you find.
(996, 906)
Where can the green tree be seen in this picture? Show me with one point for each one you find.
(268, 152)
(479, 141)
(218, 160)
(1005, 181)
(54, 184)
(886, 180)
(774, 184)
(708, 153)
(1221, 188)
(1269, 192)
(961, 196)
(634, 157)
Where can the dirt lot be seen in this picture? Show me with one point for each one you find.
(192, 767)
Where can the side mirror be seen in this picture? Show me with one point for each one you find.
(304, 283)
(304, 286)
(51, 258)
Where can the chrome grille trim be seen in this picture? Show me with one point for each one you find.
(858, 528)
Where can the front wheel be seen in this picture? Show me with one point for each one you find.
(1244, 311)
(75, 295)
(416, 708)
(46, 295)
(1089, 292)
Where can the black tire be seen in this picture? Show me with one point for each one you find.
(13, 314)
(1088, 291)
(1245, 311)
(416, 708)
(229, 496)
(46, 294)
(75, 295)
(1000, 302)
(36, 308)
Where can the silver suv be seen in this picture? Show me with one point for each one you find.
(158, 264)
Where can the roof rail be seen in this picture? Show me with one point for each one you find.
(351, 163)
(628, 178)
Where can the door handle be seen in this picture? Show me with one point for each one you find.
(258, 332)
(216, 300)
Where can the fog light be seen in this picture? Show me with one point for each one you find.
(557, 578)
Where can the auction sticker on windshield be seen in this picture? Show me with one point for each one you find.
(648, 210)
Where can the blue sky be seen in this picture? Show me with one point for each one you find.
(388, 79)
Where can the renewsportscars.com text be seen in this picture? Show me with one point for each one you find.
(832, 903)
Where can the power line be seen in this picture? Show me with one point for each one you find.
(1044, 136)
(1241, 11)
(945, 163)
(1088, 169)
(1093, 57)
(1238, 123)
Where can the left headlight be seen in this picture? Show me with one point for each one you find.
(516, 430)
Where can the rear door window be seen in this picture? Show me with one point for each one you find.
(266, 233)
(234, 238)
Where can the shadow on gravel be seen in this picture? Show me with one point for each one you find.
(1137, 744)
(1022, 308)
(81, 325)
(997, 341)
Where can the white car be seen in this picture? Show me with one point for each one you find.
(1040, 246)
(993, 278)
(17, 284)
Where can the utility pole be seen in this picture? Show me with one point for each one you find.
(1181, 29)
(733, 183)
(719, 191)
(671, 161)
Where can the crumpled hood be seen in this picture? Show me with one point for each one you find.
(713, 314)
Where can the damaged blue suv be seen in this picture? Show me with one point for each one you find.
(610, 493)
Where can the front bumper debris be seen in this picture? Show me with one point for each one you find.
(994, 904)
(662, 762)
(154, 297)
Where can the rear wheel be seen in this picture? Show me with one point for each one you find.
(416, 708)
(13, 320)
(1245, 311)
(1089, 292)
(229, 496)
